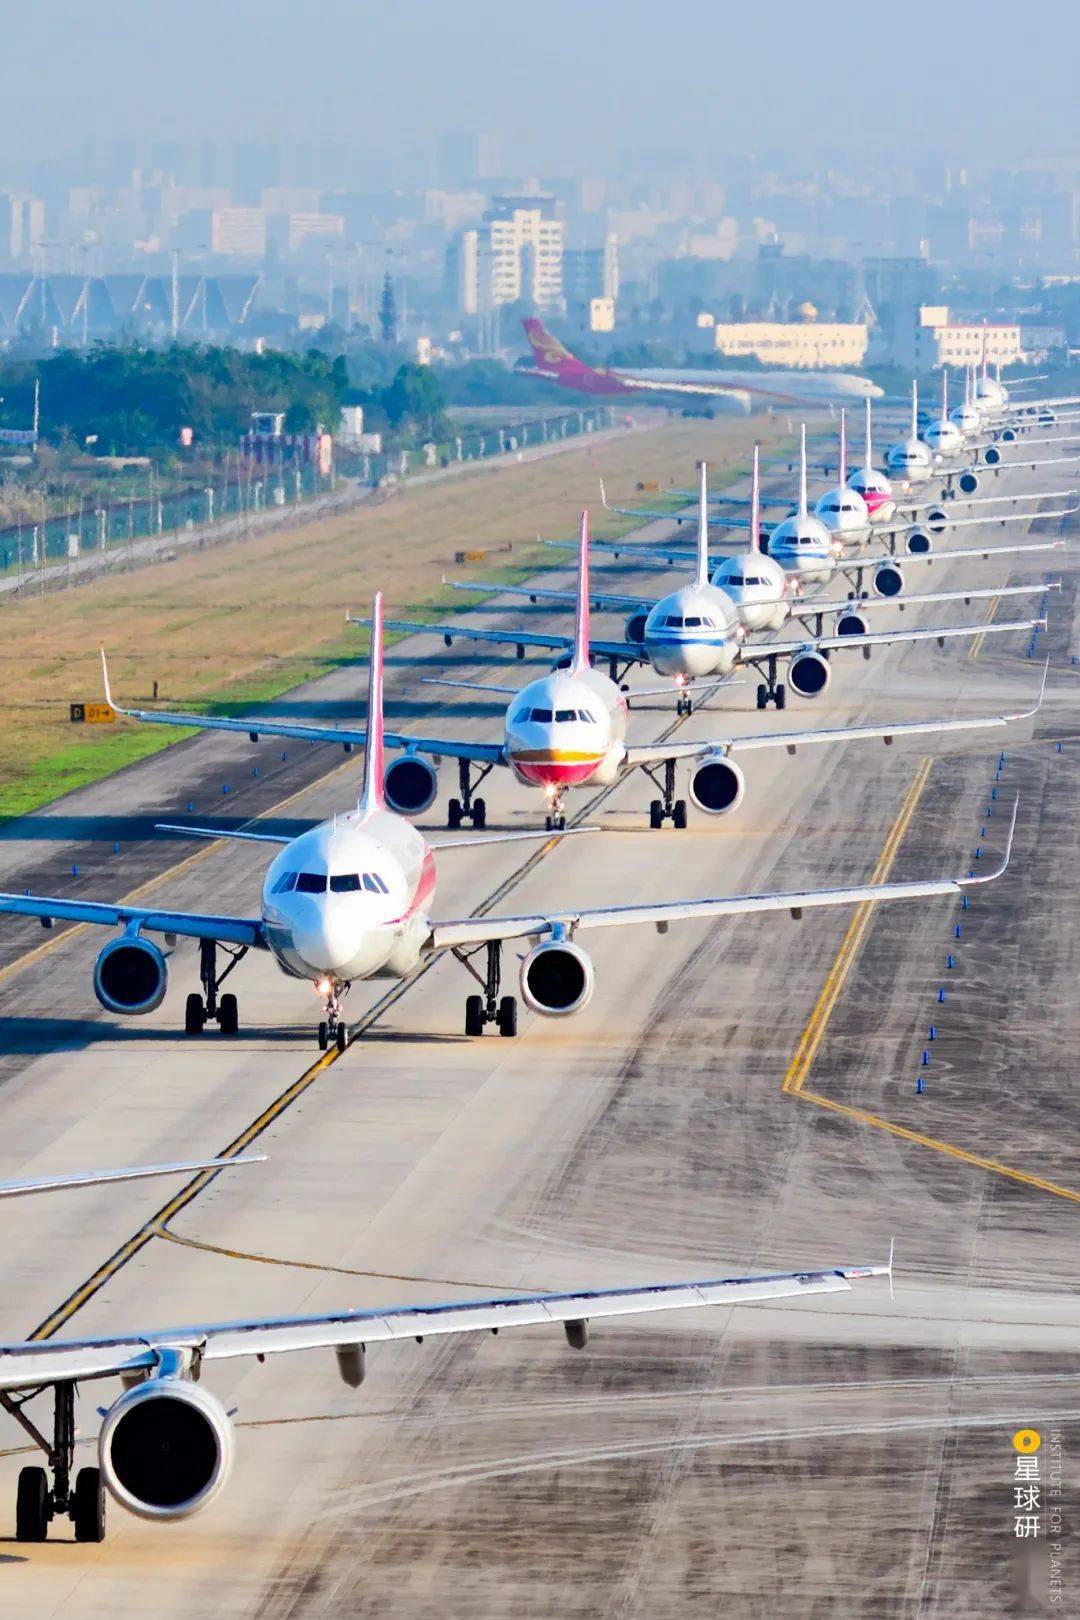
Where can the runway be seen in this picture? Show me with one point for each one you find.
(738, 1096)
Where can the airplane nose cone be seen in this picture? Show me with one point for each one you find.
(328, 943)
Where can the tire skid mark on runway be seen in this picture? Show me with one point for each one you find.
(813, 1033)
(154, 1226)
(426, 1483)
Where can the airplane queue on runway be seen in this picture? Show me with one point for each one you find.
(354, 897)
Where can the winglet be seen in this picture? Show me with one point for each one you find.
(108, 687)
(371, 796)
(581, 623)
(703, 531)
(889, 1269)
(1025, 714)
(989, 877)
(603, 497)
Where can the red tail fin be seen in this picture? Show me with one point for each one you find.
(581, 624)
(371, 796)
(554, 360)
(548, 352)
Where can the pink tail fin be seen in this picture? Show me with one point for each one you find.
(581, 623)
(371, 796)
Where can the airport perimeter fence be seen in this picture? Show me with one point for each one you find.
(98, 536)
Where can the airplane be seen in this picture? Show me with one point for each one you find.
(944, 436)
(843, 510)
(568, 729)
(875, 489)
(82, 1502)
(910, 460)
(555, 362)
(810, 555)
(166, 1442)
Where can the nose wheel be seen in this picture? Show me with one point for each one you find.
(555, 820)
(333, 1030)
(684, 703)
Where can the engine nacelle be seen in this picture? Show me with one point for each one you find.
(992, 455)
(851, 623)
(557, 979)
(1009, 436)
(717, 785)
(969, 482)
(165, 1448)
(937, 520)
(635, 628)
(809, 674)
(130, 976)
(410, 785)
(919, 542)
(888, 581)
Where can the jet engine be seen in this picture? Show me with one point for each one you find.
(410, 785)
(165, 1448)
(937, 520)
(992, 455)
(635, 628)
(717, 785)
(969, 482)
(919, 542)
(888, 580)
(130, 976)
(851, 623)
(809, 674)
(557, 978)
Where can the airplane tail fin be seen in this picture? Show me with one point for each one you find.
(581, 622)
(869, 438)
(548, 352)
(703, 530)
(755, 500)
(842, 465)
(371, 795)
(802, 471)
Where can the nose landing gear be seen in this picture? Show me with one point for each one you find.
(684, 702)
(333, 1031)
(555, 820)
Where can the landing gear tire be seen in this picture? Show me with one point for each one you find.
(656, 814)
(555, 823)
(228, 1015)
(341, 1037)
(678, 814)
(32, 1505)
(763, 696)
(507, 1016)
(479, 814)
(324, 1036)
(474, 1015)
(194, 1015)
(781, 696)
(453, 814)
(88, 1505)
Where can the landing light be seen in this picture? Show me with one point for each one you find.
(324, 987)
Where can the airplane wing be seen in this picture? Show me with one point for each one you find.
(653, 753)
(563, 925)
(898, 531)
(543, 593)
(754, 652)
(808, 607)
(969, 552)
(26, 1364)
(645, 553)
(505, 638)
(148, 920)
(135, 1172)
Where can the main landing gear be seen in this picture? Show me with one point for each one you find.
(467, 808)
(669, 808)
(490, 1008)
(47, 1493)
(771, 690)
(198, 1012)
(333, 1031)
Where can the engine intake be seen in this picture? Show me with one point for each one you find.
(410, 785)
(165, 1448)
(809, 674)
(130, 976)
(557, 979)
(888, 580)
(992, 455)
(635, 628)
(919, 542)
(851, 623)
(969, 482)
(717, 785)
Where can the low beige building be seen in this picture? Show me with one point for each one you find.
(796, 344)
(942, 342)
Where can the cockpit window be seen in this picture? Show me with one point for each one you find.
(370, 884)
(584, 714)
(344, 882)
(311, 883)
(693, 623)
(542, 716)
(285, 882)
(674, 621)
(736, 579)
(563, 715)
(521, 716)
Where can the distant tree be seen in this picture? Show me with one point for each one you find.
(414, 402)
(388, 312)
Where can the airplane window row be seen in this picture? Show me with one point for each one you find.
(674, 621)
(741, 579)
(544, 717)
(339, 883)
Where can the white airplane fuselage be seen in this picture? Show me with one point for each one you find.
(566, 729)
(693, 632)
(805, 549)
(348, 899)
(845, 514)
(759, 587)
(909, 460)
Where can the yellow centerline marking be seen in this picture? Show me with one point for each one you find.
(810, 1041)
(977, 645)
